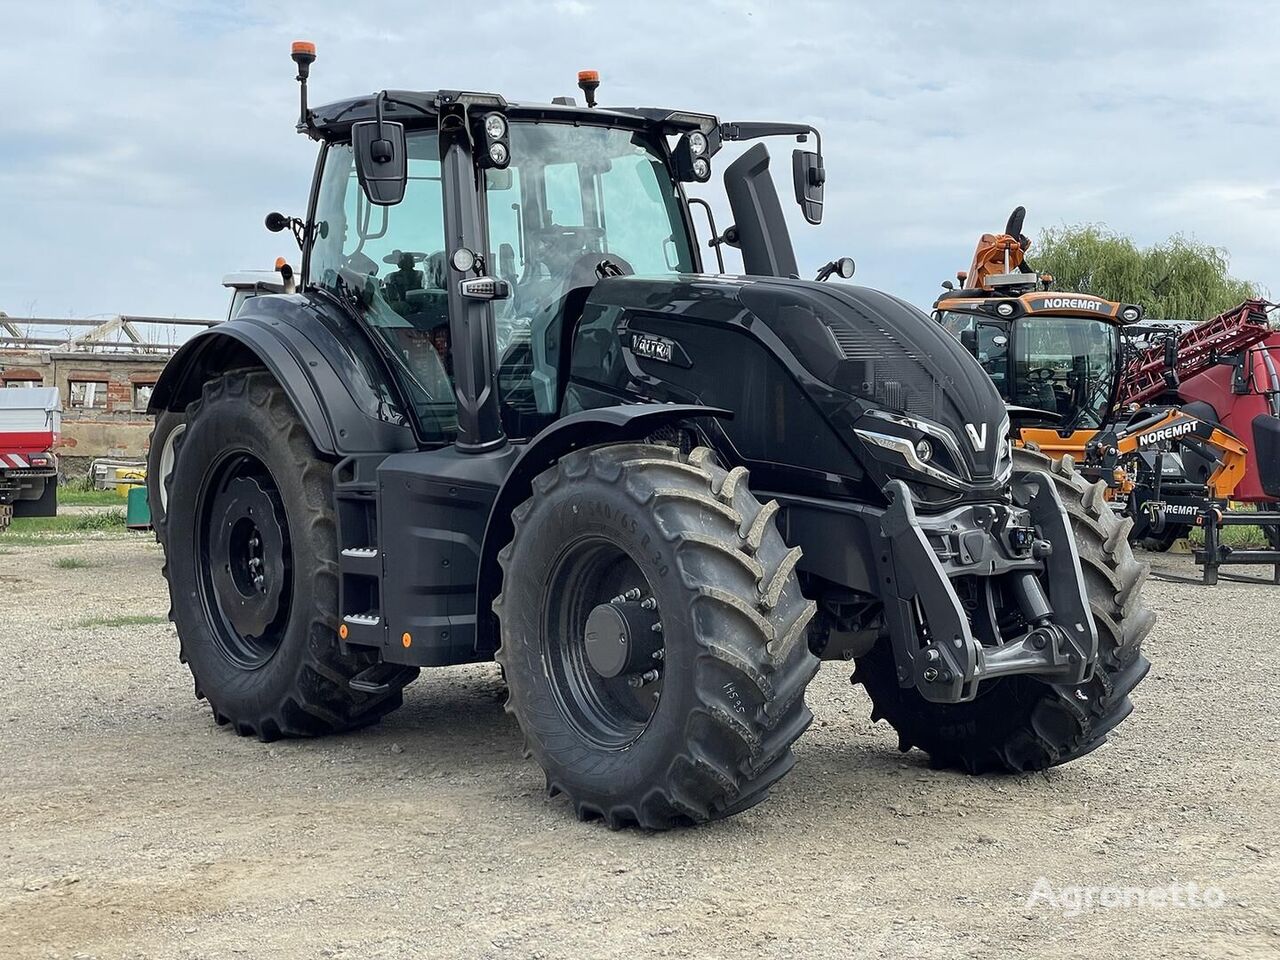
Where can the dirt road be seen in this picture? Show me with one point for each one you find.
(132, 826)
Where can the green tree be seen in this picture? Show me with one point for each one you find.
(1178, 279)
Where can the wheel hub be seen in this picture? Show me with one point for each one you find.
(246, 556)
(621, 638)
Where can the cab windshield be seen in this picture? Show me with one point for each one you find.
(576, 203)
(1066, 365)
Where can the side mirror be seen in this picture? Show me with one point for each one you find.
(382, 160)
(808, 176)
(969, 340)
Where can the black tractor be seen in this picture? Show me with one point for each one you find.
(508, 415)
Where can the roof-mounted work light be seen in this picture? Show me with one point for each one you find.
(693, 157)
(497, 141)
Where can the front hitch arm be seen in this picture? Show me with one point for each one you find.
(933, 644)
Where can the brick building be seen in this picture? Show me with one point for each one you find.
(105, 381)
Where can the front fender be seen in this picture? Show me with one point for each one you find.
(616, 424)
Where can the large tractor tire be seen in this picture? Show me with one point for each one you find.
(6, 516)
(1018, 723)
(654, 637)
(161, 456)
(251, 560)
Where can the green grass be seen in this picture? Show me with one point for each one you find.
(75, 495)
(29, 531)
(127, 620)
(1243, 538)
(104, 520)
(1240, 537)
(74, 563)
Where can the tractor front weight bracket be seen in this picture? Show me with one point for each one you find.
(934, 646)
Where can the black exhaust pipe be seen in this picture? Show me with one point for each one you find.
(762, 232)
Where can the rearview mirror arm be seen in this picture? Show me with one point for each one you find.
(752, 130)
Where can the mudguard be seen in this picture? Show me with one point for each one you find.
(333, 378)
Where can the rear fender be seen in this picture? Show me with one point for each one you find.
(336, 386)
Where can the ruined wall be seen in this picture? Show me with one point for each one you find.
(108, 420)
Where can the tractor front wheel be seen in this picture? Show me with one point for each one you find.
(1019, 723)
(654, 637)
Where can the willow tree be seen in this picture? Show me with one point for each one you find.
(1178, 279)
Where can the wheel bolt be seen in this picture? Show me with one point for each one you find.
(649, 603)
(632, 594)
(930, 674)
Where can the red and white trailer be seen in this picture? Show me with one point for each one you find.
(30, 422)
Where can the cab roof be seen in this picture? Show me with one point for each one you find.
(332, 121)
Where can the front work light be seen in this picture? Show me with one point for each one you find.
(495, 127)
(497, 143)
(691, 157)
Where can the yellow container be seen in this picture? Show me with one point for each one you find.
(129, 477)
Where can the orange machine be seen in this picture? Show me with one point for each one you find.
(1059, 360)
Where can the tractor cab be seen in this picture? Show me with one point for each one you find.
(467, 231)
(1055, 358)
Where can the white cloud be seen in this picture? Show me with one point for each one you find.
(143, 142)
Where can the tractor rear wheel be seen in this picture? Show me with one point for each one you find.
(251, 560)
(1018, 723)
(654, 637)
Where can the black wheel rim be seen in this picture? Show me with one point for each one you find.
(591, 576)
(243, 559)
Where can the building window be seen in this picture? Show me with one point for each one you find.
(142, 395)
(88, 394)
(23, 383)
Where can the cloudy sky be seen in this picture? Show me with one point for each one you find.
(141, 143)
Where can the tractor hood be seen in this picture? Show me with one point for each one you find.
(894, 387)
(909, 374)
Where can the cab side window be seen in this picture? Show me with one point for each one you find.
(390, 262)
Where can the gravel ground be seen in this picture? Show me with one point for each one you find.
(132, 826)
